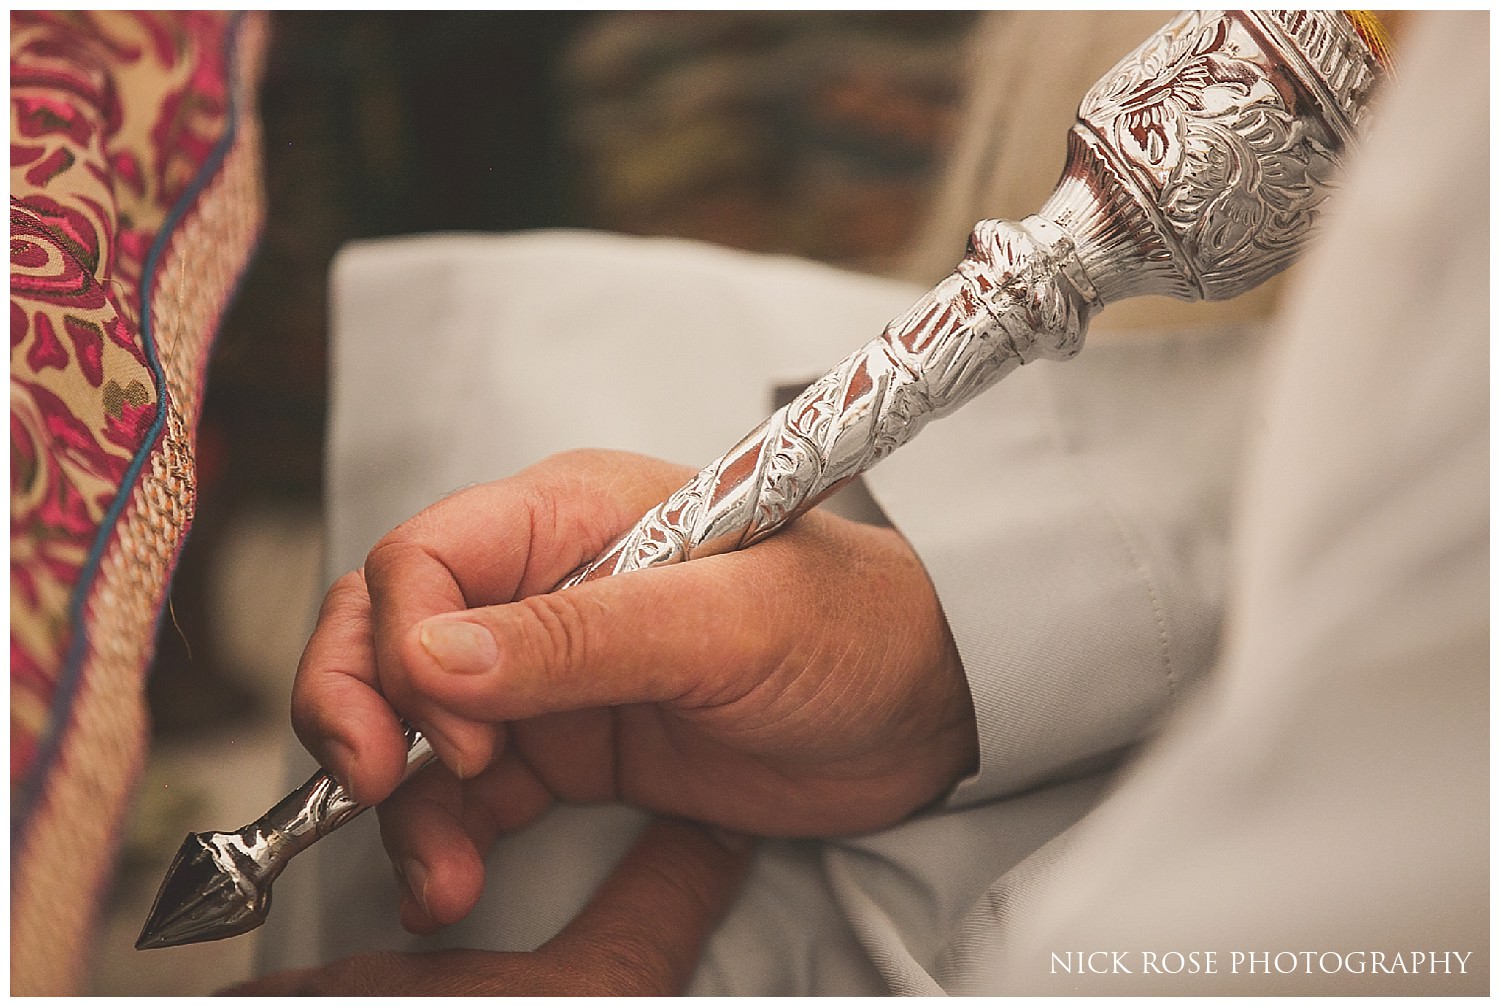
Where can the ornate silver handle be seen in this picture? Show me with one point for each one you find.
(1196, 170)
(1019, 295)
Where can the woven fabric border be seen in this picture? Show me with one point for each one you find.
(63, 850)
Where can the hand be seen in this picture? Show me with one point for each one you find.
(805, 686)
(640, 935)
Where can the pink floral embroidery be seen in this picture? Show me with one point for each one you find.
(113, 115)
(46, 351)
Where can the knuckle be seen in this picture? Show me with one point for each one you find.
(410, 547)
(388, 557)
(579, 459)
(348, 589)
(557, 637)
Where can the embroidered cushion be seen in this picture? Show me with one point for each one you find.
(135, 204)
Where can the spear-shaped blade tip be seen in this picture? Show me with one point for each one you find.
(202, 898)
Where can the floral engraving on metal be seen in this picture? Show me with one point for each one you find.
(1238, 176)
(1227, 129)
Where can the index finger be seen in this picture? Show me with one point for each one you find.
(488, 545)
(337, 709)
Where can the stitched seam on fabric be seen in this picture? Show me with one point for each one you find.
(1158, 612)
(1142, 568)
(50, 745)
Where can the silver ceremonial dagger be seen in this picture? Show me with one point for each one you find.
(1196, 169)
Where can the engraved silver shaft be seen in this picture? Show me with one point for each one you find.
(1196, 170)
(1019, 295)
(219, 883)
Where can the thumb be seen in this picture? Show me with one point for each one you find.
(647, 923)
(685, 635)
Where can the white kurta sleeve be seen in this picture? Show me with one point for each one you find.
(1073, 519)
(1319, 818)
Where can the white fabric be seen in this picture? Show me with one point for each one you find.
(1325, 791)
(1329, 792)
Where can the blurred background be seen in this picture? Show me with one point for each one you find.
(809, 134)
(813, 134)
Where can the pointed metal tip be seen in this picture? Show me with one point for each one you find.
(203, 897)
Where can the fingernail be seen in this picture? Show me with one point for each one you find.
(414, 878)
(340, 761)
(446, 751)
(460, 647)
